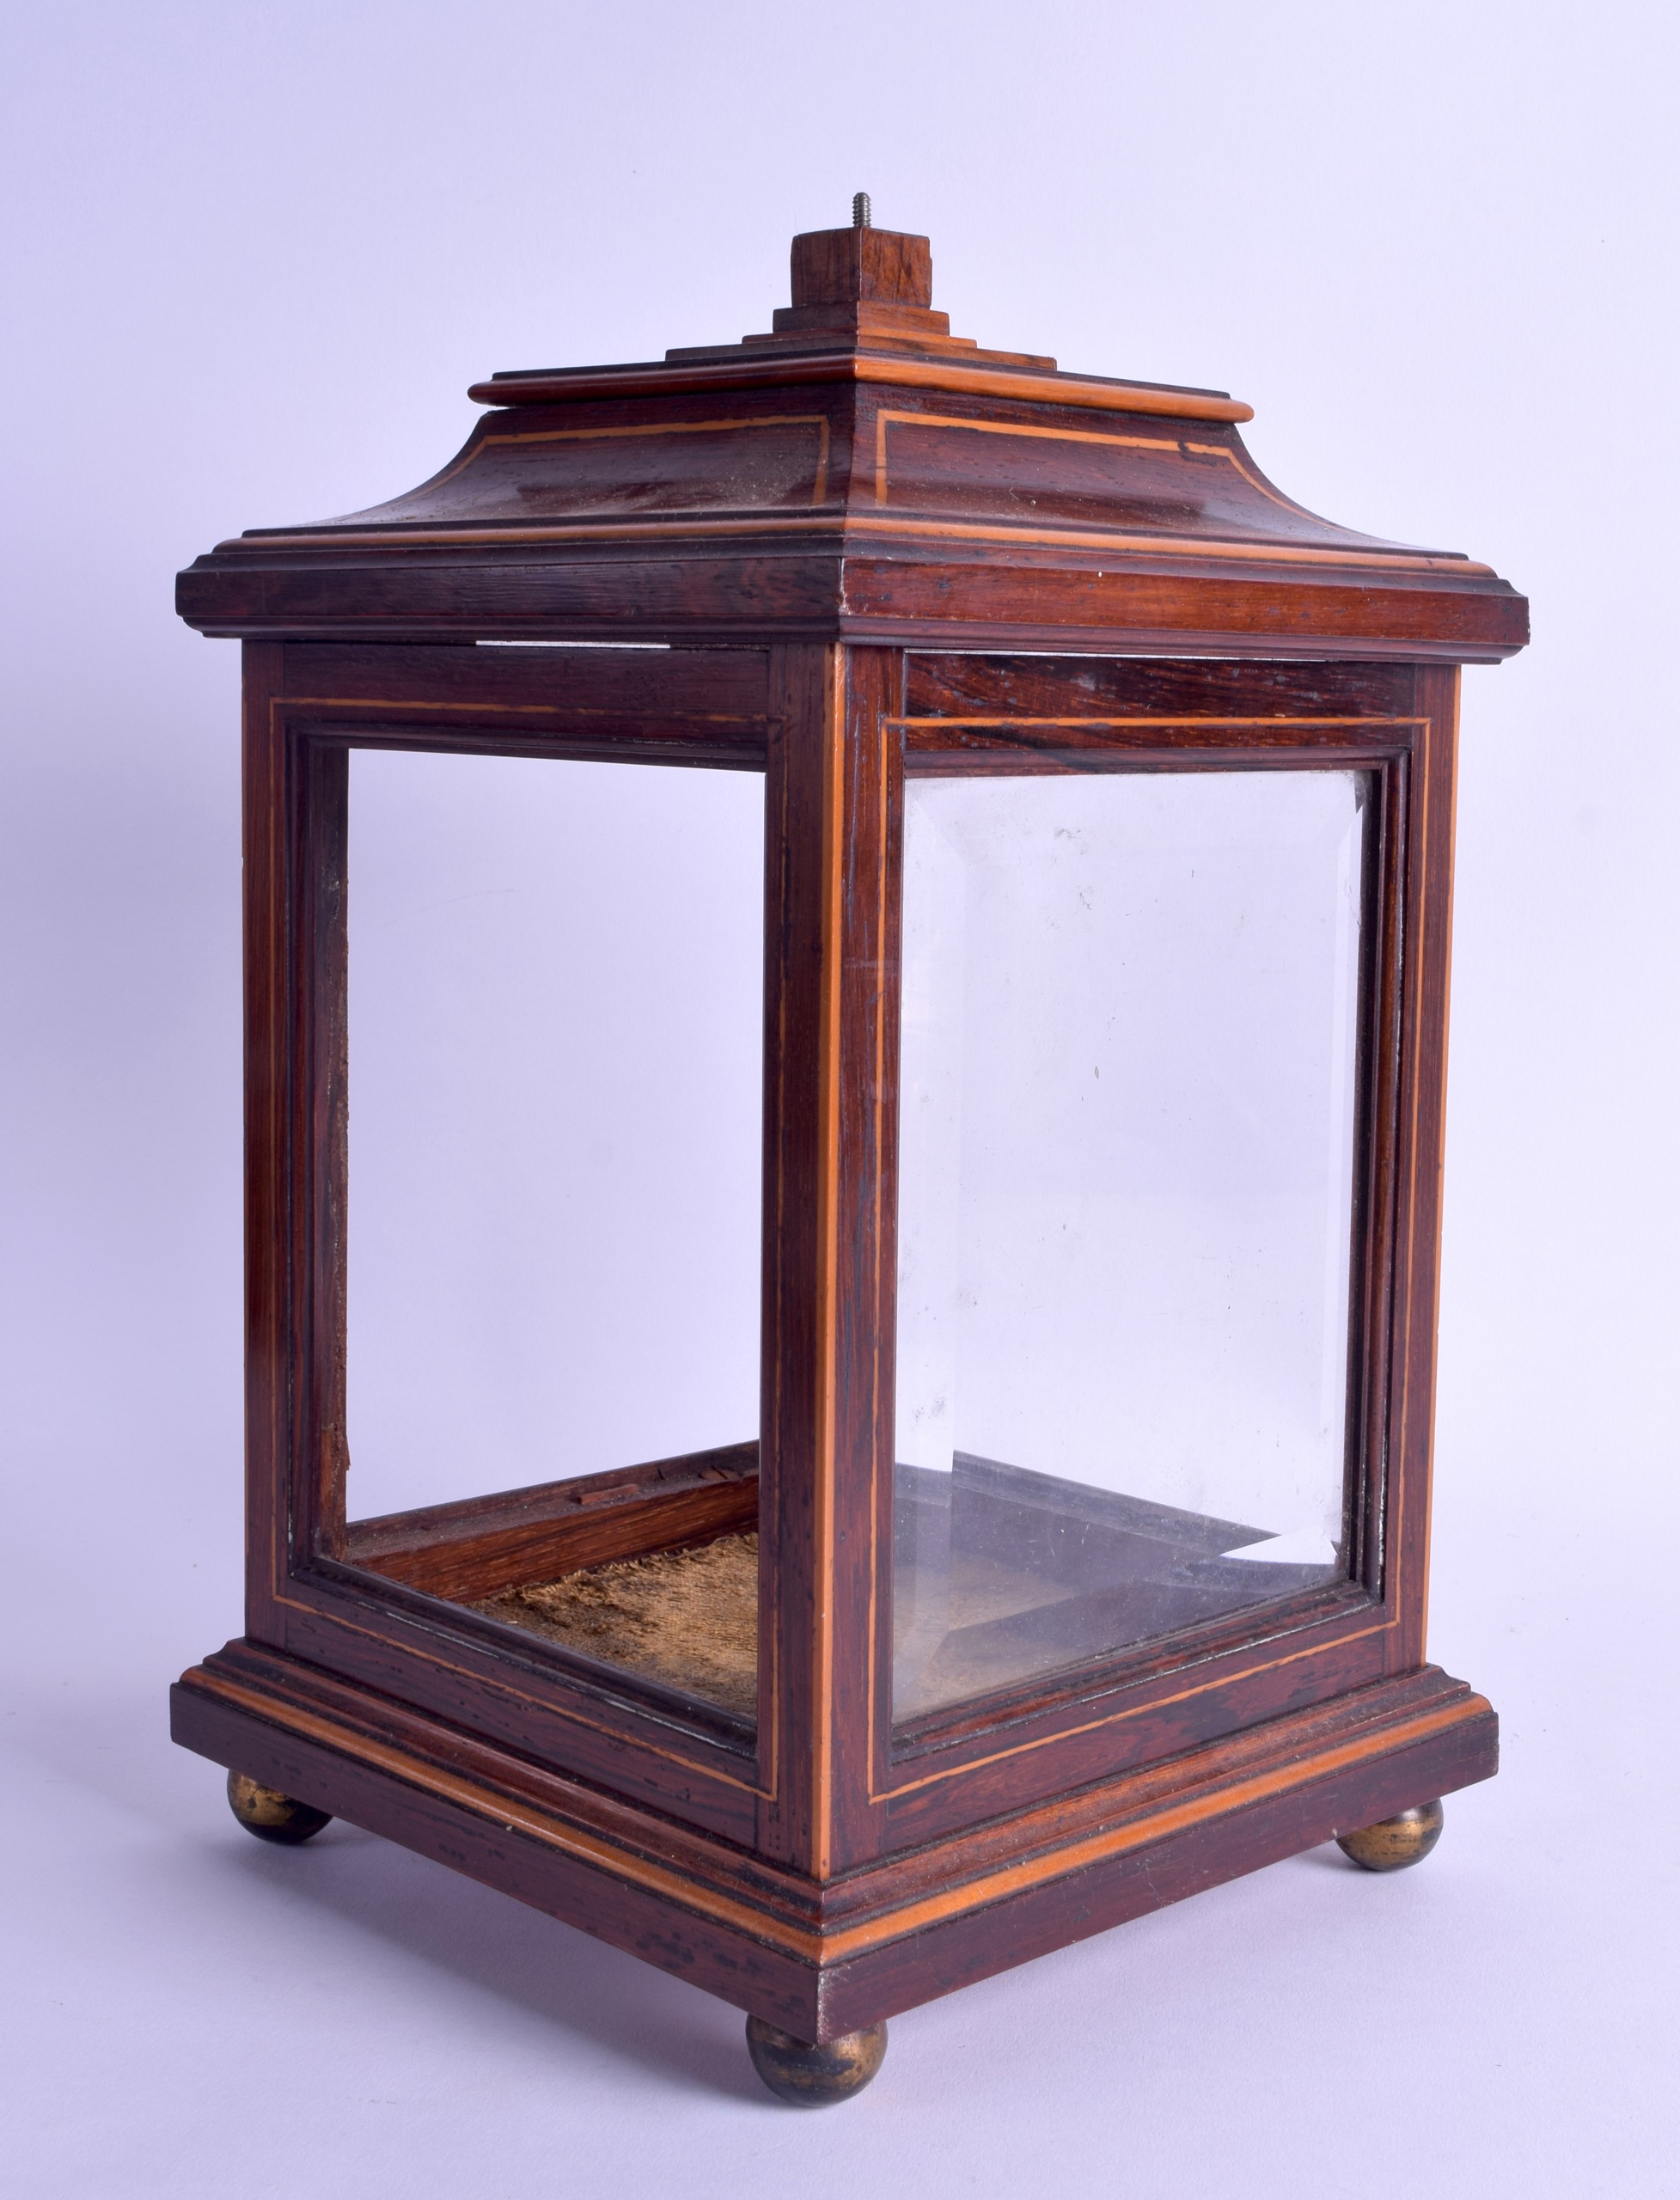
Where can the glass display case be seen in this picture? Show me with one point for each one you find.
(846, 946)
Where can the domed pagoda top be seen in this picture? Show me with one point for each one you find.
(857, 472)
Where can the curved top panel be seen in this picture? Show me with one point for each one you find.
(727, 491)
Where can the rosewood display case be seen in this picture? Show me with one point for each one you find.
(1076, 1556)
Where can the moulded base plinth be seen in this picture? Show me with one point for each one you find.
(819, 1961)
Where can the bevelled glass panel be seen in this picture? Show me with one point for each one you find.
(1130, 1020)
(556, 1046)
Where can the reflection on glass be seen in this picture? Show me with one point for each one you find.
(1130, 1012)
(556, 1039)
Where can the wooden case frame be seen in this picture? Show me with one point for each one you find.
(820, 1870)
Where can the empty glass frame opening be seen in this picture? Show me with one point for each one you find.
(555, 1074)
(1130, 1020)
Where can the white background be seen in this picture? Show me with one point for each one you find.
(556, 1142)
(256, 252)
(1138, 1280)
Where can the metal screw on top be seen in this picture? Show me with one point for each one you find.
(860, 210)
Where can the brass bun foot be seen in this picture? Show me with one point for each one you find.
(810, 2076)
(272, 1816)
(1393, 1844)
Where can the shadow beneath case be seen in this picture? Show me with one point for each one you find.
(1327, 1857)
(484, 1940)
(166, 1808)
(108, 1747)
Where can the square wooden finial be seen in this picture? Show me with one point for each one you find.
(862, 267)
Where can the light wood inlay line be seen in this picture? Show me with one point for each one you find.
(578, 384)
(1164, 444)
(264, 1054)
(632, 1742)
(1137, 1711)
(828, 1133)
(1158, 723)
(1435, 733)
(1100, 1847)
(509, 1812)
(855, 532)
(382, 711)
(886, 731)
(638, 432)
(1414, 901)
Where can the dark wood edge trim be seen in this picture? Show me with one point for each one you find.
(1117, 638)
(320, 981)
(645, 705)
(1422, 1087)
(419, 1642)
(1374, 1281)
(1487, 611)
(403, 1544)
(868, 1088)
(959, 1853)
(615, 1697)
(1038, 1708)
(999, 683)
(866, 530)
(952, 748)
(425, 1526)
(629, 743)
(535, 1550)
(1114, 1883)
(935, 729)
(308, 1698)
(495, 1834)
(775, 369)
(557, 679)
(1440, 691)
(883, 1494)
(1214, 1800)
(792, 1359)
(739, 1895)
(264, 800)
